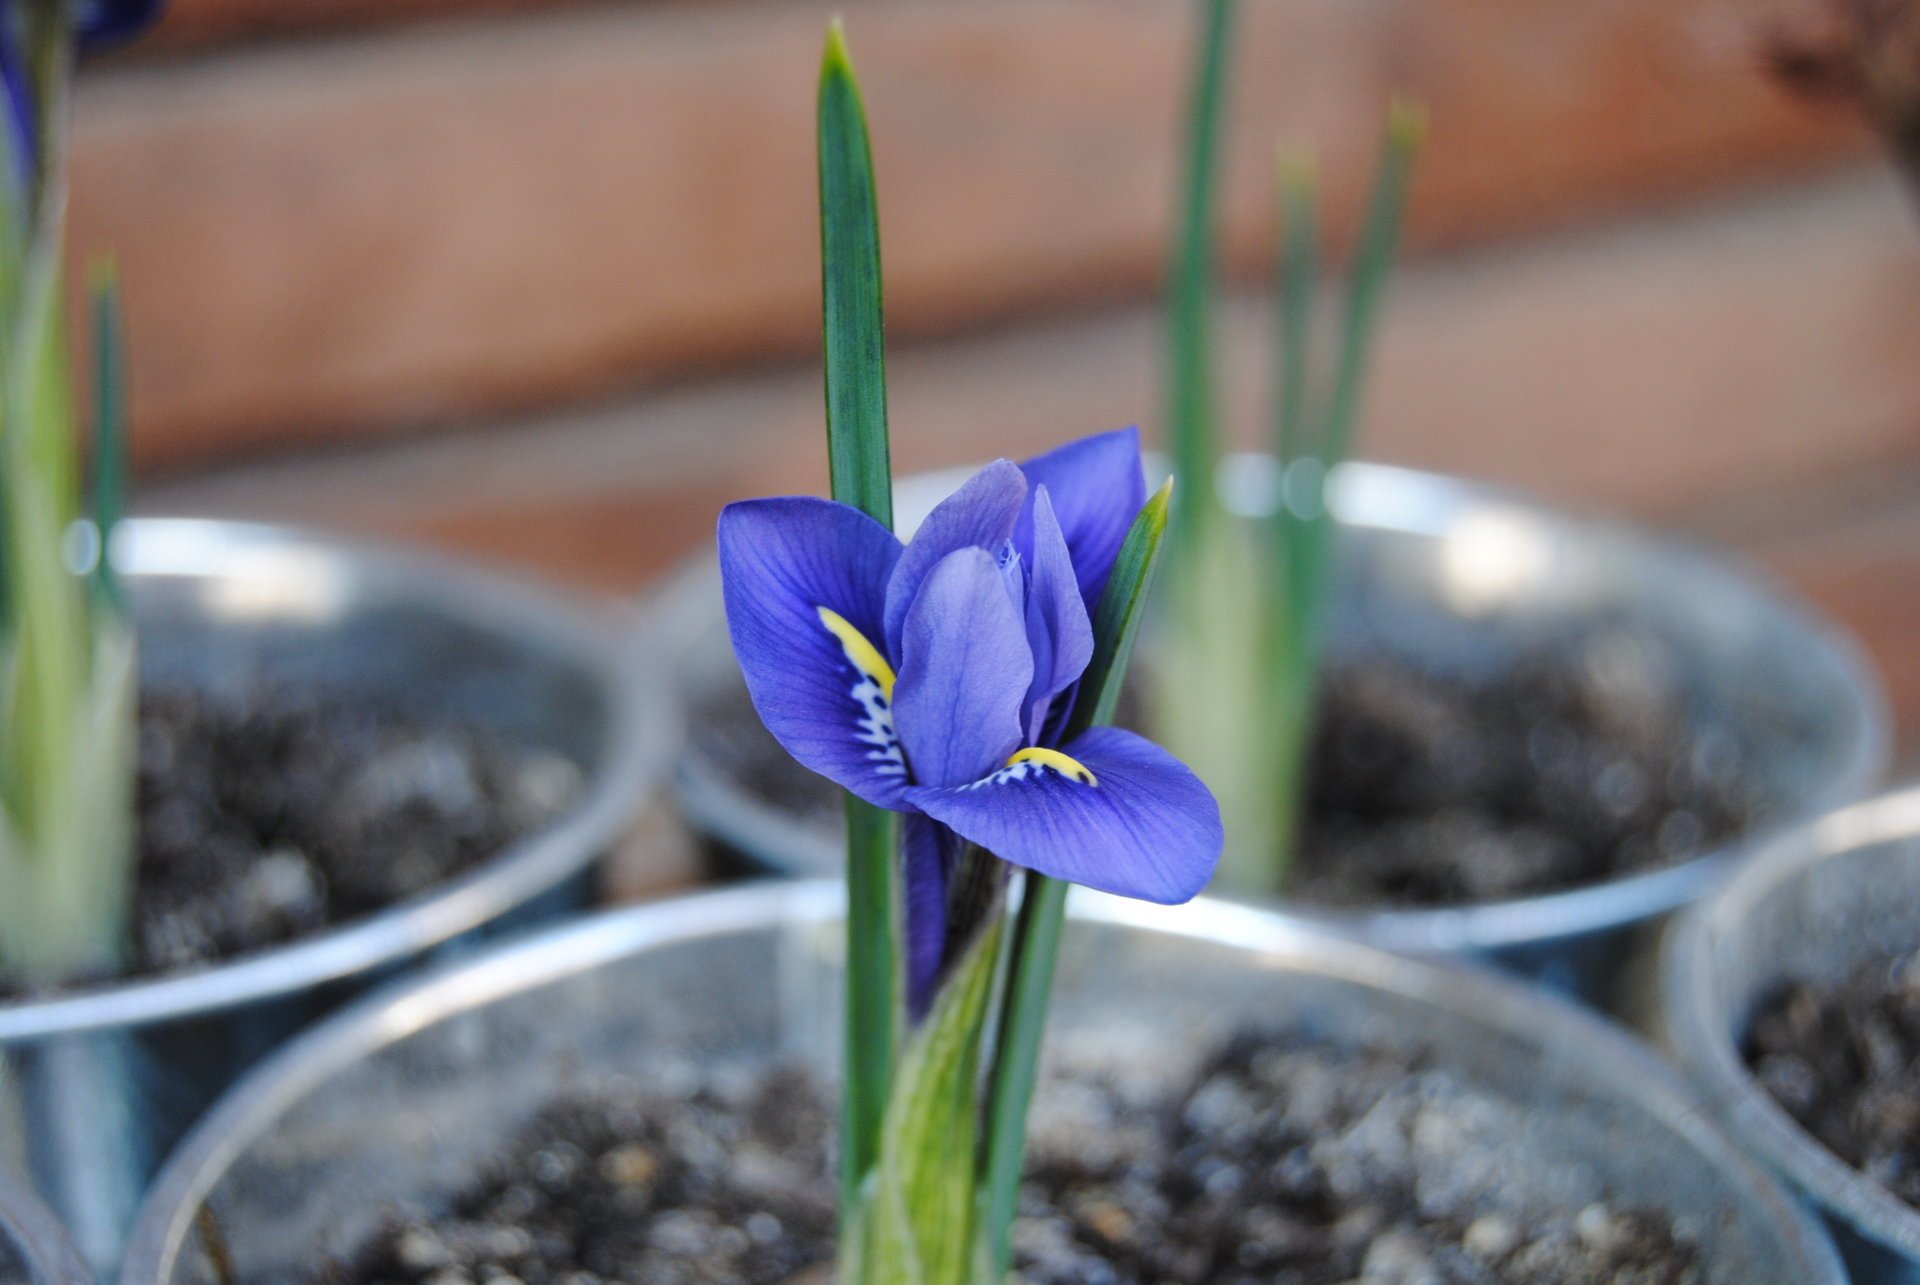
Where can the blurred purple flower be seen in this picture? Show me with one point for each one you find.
(98, 24)
(935, 679)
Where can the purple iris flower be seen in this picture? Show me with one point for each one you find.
(935, 679)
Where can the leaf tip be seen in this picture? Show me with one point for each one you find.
(1406, 123)
(1155, 509)
(836, 61)
(103, 275)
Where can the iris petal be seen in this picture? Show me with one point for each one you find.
(981, 514)
(964, 668)
(781, 562)
(1145, 828)
(1097, 485)
(1058, 630)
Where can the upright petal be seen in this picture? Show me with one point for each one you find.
(964, 667)
(1111, 811)
(1097, 485)
(825, 697)
(981, 514)
(1059, 632)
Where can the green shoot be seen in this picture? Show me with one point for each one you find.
(1190, 408)
(855, 360)
(67, 663)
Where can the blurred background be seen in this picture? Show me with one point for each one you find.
(538, 279)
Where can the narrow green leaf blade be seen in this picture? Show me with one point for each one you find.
(109, 421)
(1373, 260)
(851, 293)
(1298, 274)
(856, 408)
(1190, 410)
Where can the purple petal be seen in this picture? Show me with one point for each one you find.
(1058, 631)
(964, 667)
(781, 561)
(979, 515)
(928, 849)
(1098, 486)
(1146, 828)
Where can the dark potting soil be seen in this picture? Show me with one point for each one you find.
(1844, 1060)
(1276, 1161)
(1430, 790)
(265, 815)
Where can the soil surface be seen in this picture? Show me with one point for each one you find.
(1275, 1161)
(1844, 1060)
(265, 815)
(1427, 790)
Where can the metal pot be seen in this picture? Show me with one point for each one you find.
(1813, 905)
(97, 1084)
(403, 1098)
(1452, 576)
(34, 1249)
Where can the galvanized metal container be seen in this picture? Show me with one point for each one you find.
(1451, 576)
(34, 1249)
(96, 1085)
(1812, 906)
(403, 1098)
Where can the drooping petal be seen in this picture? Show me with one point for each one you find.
(964, 668)
(1059, 632)
(981, 514)
(1097, 485)
(1141, 826)
(927, 850)
(804, 582)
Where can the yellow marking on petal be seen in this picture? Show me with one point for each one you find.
(860, 653)
(1065, 764)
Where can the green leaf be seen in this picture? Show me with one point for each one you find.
(1299, 272)
(1036, 939)
(856, 391)
(851, 293)
(1373, 260)
(109, 421)
(918, 1221)
(1190, 410)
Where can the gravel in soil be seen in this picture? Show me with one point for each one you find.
(1430, 790)
(266, 815)
(1844, 1060)
(1274, 1161)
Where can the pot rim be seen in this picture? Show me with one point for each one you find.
(1389, 498)
(604, 639)
(49, 1254)
(1276, 941)
(1697, 1025)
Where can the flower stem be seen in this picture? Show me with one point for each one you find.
(1036, 940)
(856, 394)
